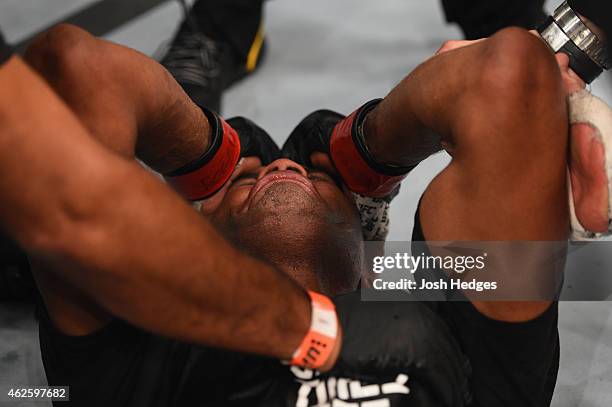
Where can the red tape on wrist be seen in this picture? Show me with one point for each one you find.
(358, 176)
(319, 342)
(210, 178)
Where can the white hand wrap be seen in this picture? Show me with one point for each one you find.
(374, 214)
(584, 108)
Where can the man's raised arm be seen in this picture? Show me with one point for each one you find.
(113, 230)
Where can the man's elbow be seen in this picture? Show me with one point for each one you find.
(71, 223)
(516, 66)
(60, 236)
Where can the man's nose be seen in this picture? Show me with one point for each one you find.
(283, 164)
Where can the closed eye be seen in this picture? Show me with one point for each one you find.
(317, 175)
(246, 178)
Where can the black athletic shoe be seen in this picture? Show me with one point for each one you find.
(205, 67)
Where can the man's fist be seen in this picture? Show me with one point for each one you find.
(344, 141)
(254, 141)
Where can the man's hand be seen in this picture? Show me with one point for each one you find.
(325, 133)
(336, 145)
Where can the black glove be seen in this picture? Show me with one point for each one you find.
(383, 339)
(312, 134)
(254, 141)
(343, 140)
(374, 185)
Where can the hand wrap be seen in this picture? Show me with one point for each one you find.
(584, 108)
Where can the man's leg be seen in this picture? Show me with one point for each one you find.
(234, 21)
(218, 43)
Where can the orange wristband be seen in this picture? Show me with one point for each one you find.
(319, 342)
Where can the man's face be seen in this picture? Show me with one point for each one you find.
(287, 214)
(286, 185)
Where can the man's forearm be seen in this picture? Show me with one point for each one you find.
(124, 98)
(412, 120)
(433, 103)
(434, 98)
(115, 232)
